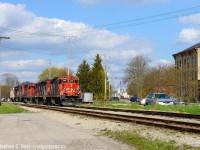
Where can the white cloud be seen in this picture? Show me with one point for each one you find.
(27, 76)
(25, 70)
(163, 61)
(159, 61)
(24, 64)
(14, 15)
(48, 36)
(189, 35)
(9, 55)
(190, 19)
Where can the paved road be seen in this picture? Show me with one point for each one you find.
(30, 131)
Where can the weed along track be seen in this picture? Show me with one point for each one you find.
(180, 124)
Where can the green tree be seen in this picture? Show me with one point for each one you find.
(83, 75)
(52, 72)
(97, 78)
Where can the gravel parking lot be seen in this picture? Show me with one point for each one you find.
(94, 126)
(49, 130)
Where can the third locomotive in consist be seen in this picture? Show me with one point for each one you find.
(60, 90)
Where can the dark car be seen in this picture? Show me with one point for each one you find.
(114, 99)
(134, 99)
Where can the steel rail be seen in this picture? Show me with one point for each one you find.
(147, 112)
(156, 122)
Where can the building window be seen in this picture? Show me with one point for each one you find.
(194, 60)
(180, 65)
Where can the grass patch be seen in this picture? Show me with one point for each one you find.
(191, 109)
(141, 143)
(8, 108)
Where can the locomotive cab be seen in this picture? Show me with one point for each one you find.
(68, 86)
(68, 89)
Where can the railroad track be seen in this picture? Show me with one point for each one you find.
(146, 112)
(183, 126)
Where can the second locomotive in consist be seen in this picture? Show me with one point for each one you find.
(60, 90)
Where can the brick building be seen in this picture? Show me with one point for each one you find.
(187, 63)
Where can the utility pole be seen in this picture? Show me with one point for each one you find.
(68, 63)
(105, 82)
(2, 37)
(68, 49)
(50, 69)
(106, 76)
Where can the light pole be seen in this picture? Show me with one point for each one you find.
(2, 37)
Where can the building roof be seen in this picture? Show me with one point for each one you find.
(188, 49)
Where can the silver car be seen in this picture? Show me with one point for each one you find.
(159, 98)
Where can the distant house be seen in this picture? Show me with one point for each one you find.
(187, 62)
(121, 93)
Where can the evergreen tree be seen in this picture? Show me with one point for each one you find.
(83, 75)
(97, 78)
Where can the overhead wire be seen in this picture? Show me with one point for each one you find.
(83, 44)
(32, 51)
(148, 17)
(112, 24)
(152, 21)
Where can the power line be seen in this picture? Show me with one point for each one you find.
(148, 17)
(121, 23)
(83, 44)
(23, 50)
(39, 52)
(152, 21)
(32, 51)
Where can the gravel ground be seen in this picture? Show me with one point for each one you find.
(94, 126)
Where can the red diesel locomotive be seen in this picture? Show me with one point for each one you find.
(62, 90)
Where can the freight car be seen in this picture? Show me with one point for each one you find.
(62, 90)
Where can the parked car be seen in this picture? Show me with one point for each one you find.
(142, 101)
(159, 98)
(114, 99)
(178, 101)
(134, 99)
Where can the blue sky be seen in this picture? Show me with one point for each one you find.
(116, 29)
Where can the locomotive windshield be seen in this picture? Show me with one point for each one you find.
(71, 80)
(64, 80)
